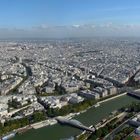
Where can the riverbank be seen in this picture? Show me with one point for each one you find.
(111, 98)
(71, 115)
(52, 121)
(101, 124)
(91, 116)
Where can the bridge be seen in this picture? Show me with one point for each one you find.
(135, 94)
(74, 123)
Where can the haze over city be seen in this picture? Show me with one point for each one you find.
(73, 18)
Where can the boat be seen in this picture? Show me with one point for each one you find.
(9, 136)
(97, 105)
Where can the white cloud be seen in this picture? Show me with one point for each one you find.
(87, 30)
(76, 26)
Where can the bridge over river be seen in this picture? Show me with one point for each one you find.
(74, 123)
(90, 117)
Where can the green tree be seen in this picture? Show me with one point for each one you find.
(117, 137)
(99, 133)
(93, 137)
(38, 116)
(104, 131)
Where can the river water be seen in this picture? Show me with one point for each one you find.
(90, 117)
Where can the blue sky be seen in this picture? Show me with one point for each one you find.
(28, 14)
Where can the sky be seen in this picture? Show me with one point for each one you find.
(69, 18)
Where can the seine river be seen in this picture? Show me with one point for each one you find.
(90, 117)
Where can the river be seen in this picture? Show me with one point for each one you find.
(90, 117)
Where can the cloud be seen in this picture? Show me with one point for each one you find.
(76, 26)
(87, 30)
(41, 27)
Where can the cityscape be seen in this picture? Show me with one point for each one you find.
(48, 82)
(69, 70)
